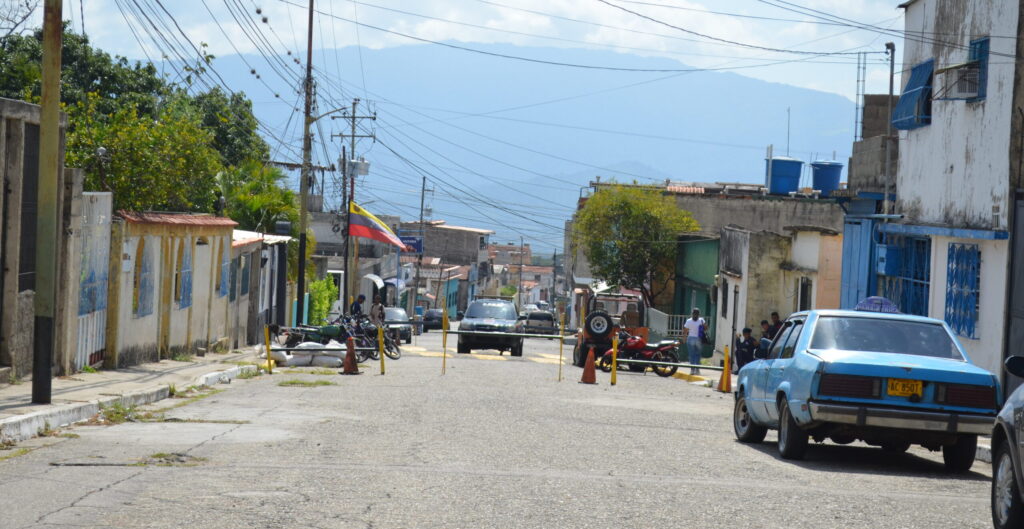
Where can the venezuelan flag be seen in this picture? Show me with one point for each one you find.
(362, 223)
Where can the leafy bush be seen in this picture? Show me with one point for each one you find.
(322, 294)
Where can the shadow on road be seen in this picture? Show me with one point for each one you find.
(843, 459)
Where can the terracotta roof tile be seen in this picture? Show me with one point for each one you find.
(176, 219)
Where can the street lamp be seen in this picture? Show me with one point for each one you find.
(102, 157)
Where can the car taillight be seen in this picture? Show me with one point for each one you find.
(966, 396)
(850, 386)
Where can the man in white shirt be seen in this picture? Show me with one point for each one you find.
(695, 329)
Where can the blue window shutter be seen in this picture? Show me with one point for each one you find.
(914, 109)
(980, 52)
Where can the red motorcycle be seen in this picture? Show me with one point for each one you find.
(636, 348)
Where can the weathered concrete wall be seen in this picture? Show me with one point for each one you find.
(136, 334)
(768, 213)
(955, 171)
(985, 350)
(867, 165)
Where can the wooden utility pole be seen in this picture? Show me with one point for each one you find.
(307, 153)
(349, 174)
(48, 219)
(519, 291)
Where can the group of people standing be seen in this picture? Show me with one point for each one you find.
(746, 344)
(695, 331)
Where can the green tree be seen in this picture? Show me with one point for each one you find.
(85, 70)
(322, 294)
(508, 291)
(234, 127)
(163, 164)
(629, 235)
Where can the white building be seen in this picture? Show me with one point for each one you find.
(948, 256)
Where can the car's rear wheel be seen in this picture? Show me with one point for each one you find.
(747, 431)
(463, 348)
(792, 438)
(959, 456)
(517, 349)
(1007, 508)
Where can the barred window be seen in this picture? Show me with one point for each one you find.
(963, 279)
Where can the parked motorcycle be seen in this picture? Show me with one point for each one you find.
(637, 348)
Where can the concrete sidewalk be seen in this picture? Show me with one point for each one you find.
(80, 396)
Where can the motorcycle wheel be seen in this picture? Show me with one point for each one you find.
(392, 349)
(293, 339)
(665, 371)
(605, 363)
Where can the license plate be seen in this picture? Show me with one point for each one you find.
(901, 387)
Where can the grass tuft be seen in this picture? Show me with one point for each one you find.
(305, 383)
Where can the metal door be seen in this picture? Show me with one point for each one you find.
(92, 286)
(857, 269)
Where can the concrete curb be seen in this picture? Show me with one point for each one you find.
(22, 427)
(983, 453)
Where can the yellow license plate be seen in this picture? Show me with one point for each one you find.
(901, 387)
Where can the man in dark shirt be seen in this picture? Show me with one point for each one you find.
(766, 329)
(357, 306)
(773, 329)
(745, 347)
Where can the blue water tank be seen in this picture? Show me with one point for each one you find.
(826, 175)
(782, 175)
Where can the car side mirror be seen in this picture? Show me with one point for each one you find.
(1015, 366)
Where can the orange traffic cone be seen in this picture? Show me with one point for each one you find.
(589, 371)
(349, 366)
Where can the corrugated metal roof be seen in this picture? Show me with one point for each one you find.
(463, 228)
(176, 219)
(685, 190)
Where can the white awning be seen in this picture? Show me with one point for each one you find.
(376, 280)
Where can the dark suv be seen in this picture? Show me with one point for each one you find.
(432, 319)
(490, 315)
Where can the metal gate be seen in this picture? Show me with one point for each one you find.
(92, 286)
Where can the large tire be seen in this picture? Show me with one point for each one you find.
(1007, 508)
(577, 359)
(517, 350)
(463, 349)
(792, 438)
(747, 431)
(598, 324)
(959, 456)
(667, 356)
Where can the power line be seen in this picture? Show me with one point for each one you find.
(719, 39)
(550, 62)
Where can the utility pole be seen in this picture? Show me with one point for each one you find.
(349, 173)
(307, 152)
(890, 48)
(343, 161)
(48, 219)
(423, 249)
(519, 291)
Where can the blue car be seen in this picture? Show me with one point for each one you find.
(890, 380)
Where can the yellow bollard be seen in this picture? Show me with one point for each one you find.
(444, 341)
(380, 346)
(615, 357)
(561, 343)
(266, 341)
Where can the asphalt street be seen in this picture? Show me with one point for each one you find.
(495, 442)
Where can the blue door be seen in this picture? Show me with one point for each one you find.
(778, 366)
(858, 248)
(760, 394)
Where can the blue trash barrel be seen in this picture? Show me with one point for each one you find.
(783, 176)
(826, 175)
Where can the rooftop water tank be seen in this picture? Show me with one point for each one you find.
(782, 175)
(826, 175)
